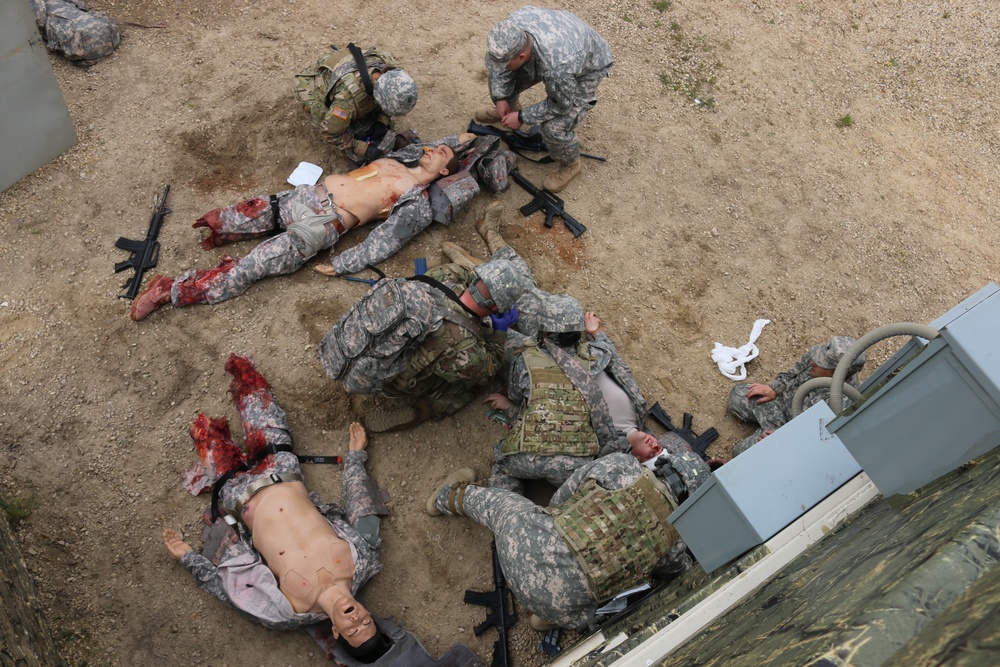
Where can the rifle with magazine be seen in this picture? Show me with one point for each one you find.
(548, 203)
(500, 612)
(145, 253)
(699, 443)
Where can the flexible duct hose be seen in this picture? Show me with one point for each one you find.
(818, 383)
(836, 400)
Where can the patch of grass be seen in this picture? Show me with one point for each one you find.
(16, 510)
(844, 121)
(627, 18)
(664, 5)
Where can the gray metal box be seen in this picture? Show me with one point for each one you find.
(935, 407)
(754, 496)
(34, 123)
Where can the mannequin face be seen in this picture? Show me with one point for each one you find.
(644, 446)
(353, 621)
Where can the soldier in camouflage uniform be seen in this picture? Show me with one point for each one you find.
(305, 560)
(772, 407)
(569, 398)
(84, 37)
(561, 51)
(446, 369)
(354, 121)
(604, 532)
(310, 219)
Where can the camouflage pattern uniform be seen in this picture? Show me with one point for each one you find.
(347, 121)
(417, 208)
(83, 36)
(539, 566)
(510, 469)
(310, 225)
(567, 55)
(774, 414)
(449, 380)
(241, 579)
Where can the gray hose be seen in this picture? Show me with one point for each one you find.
(836, 400)
(799, 399)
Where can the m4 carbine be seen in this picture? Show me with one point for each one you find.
(145, 253)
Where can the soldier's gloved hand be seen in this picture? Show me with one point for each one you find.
(373, 152)
(502, 321)
(377, 131)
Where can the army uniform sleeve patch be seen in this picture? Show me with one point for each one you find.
(342, 114)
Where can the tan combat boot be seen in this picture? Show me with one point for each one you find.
(460, 255)
(456, 482)
(398, 416)
(486, 114)
(539, 624)
(489, 227)
(558, 181)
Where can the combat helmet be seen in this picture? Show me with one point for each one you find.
(828, 354)
(560, 313)
(505, 283)
(395, 92)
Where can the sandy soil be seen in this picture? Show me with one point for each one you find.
(730, 194)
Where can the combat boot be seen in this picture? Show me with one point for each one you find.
(539, 624)
(489, 227)
(486, 114)
(456, 483)
(398, 416)
(460, 255)
(558, 181)
(154, 296)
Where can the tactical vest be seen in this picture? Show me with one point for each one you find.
(617, 536)
(556, 418)
(335, 72)
(375, 339)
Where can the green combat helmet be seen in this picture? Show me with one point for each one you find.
(395, 92)
(505, 283)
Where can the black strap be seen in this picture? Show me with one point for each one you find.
(424, 278)
(275, 213)
(359, 60)
(221, 481)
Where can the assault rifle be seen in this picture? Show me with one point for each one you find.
(144, 253)
(500, 612)
(546, 202)
(699, 443)
(518, 141)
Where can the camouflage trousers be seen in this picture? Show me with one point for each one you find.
(559, 133)
(445, 397)
(769, 416)
(540, 569)
(509, 470)
(263, 423)
(309, 227)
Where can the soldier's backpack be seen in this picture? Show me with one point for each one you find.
(68, 27)
(374, 340)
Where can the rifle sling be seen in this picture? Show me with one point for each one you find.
(359, 60)
(424, 278)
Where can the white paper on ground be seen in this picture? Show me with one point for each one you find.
(305, 174)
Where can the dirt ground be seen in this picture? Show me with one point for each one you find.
(831, 166)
